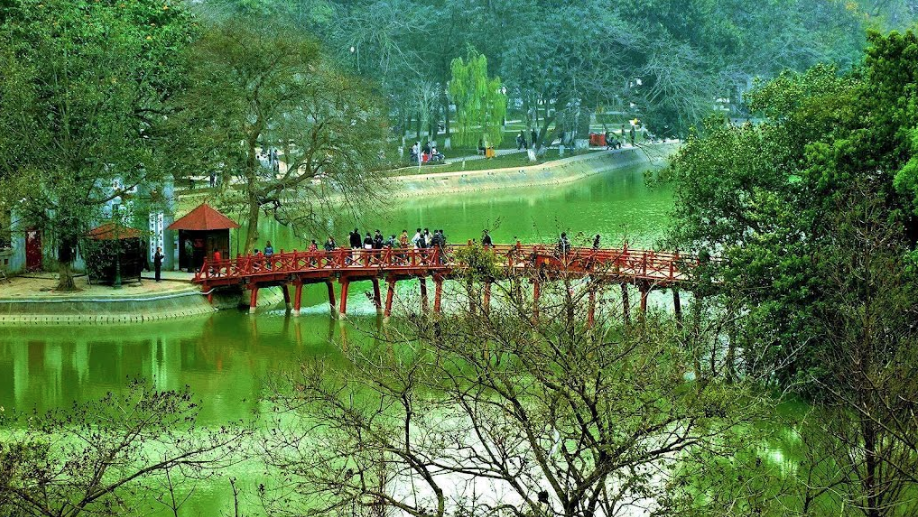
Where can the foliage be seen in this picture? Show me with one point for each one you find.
(86, 89)
(92, 457)
(502, 410)
(481, 105)
(255, 90)
(813, 211)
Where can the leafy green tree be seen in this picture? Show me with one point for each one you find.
(257, 90)
(86, 89)
(481, 103)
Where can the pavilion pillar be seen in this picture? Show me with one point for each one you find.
(423, 294)
(253, 299)
(438, 293)
(377, 301)
(297, 298)
(331, 296)
(390, 294)
(343, 305)
(626, 305)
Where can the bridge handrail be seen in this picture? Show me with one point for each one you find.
(641, 263)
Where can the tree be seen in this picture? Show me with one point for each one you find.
(80, 117)
(812, 211)
(256, 90)
(481, 103)
(96, 457)
(501, 409)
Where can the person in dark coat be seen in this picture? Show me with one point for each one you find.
(564, 245)
(330, 244)
(533, 137)
(354, 239)
(378, 240)
(486, 238)
(368, 242)
(596, 242)
(158, 263)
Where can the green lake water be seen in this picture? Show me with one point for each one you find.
(225, 357)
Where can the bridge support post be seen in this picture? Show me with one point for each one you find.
(591, 310)
(438, 294)
(253, 299)
(297, 298)
(377, 301)
(645, 290)
(390, 294)
(423, 294)
(536, 294)
(331, 296)
(286, 292)
(343, 305)
(486, 304)
(677, 306)
(626, 305)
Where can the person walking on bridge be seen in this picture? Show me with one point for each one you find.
(564, 245)
(416, 240)
(403, 240)
(330, 244)
(596, 242)
(354, 239)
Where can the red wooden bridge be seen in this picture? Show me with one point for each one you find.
(643, 268)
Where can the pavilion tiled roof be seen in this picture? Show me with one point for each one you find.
(109, 232)
(204, 217)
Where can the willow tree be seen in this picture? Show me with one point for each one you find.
(481, 103)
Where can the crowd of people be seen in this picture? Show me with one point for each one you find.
(428, 153)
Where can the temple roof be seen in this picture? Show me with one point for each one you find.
(204, 217)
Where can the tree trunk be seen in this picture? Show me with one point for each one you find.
(446, 139)
(251, 233)
(65, 266)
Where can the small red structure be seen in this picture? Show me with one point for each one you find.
(109, 244)
(597, 139)
(201, 232)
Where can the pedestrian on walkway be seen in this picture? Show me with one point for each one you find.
(596, 242)
(403, 240)
(218, 257)
(520, 141)
(313, 246)
(486, 239)
(533, 136)
(269, 250)
(158, 263)
(631, 134)
(428, 239)
(330, 244)
(354, 239)
(368, 242)
(564, 245)
(417, 240)
(378, 240)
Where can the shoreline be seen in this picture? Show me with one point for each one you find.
(556, 172)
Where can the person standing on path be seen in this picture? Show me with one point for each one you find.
(158, 263)
(486, 239)
(631, 134)
(596, 242)
(533, 136)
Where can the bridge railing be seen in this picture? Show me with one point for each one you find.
(642, 264)
(340, 259)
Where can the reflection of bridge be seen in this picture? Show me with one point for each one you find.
(645, 269)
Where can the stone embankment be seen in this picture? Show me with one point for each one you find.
(556, 172)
